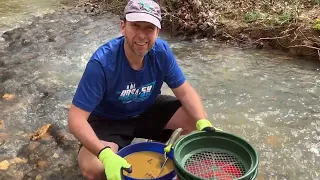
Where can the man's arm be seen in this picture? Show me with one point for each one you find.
(89, 94)
(191, 101)
(81, 129)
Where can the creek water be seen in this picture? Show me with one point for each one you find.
(266, 97)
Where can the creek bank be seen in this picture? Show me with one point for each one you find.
(292, 27)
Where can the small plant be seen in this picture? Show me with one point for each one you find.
(252, 16)
(315, 2)
(286, 17)
(316, 25)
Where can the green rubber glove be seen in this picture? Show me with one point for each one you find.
(205, 125)
(113, 164)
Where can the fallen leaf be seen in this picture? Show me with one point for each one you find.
(56, 155)
(8, 96)
(86, 32)
(41, 164)
(18, 160)
(4, 165)
(42, 131)
(38, 177)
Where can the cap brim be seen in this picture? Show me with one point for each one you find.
(143, 17)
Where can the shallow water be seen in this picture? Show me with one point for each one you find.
(13, 13)
(267, 98)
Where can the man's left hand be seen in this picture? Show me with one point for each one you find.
(205, 125)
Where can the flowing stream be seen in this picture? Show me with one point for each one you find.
(266, 97)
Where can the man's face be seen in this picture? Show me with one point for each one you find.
(140, 36)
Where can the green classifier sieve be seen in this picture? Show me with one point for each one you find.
(215, 155)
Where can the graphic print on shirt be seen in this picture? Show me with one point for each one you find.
(136, 94)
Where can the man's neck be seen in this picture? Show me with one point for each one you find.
(136, 62)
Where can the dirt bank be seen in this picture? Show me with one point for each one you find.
(292, 25)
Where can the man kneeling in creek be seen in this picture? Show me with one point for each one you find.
(118, 97)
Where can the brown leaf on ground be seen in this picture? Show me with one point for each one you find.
(4, 165)
(41, 164)
(43, 131)
(8, 97)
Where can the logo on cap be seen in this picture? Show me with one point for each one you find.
(145, 6)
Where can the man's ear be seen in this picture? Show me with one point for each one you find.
(122, 27)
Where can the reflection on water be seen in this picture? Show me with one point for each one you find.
(269, 99)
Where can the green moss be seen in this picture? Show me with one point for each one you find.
(252, 16)
(316, 25)
(315, 2)
(286, 17)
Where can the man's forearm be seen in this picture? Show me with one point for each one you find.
(82, 130)
(192, 103)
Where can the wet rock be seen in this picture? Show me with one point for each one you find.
(14, 34)
(1, 124)
(18, 160)
(51, 39)
(41, 164)
(4, 165)
(42, 132)
(4, 136)
(29, 56)
(5, 75)
(17, 174)
(33, 145)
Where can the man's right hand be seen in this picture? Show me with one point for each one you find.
(113, 164)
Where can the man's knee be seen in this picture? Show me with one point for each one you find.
(181, 119)
(90, 166)
(91, 173)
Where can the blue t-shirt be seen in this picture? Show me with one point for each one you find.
(110, 88)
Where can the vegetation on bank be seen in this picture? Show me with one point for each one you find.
(289, 25)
